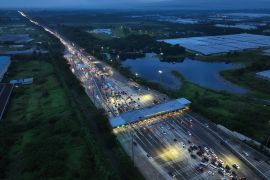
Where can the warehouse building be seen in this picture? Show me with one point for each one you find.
(22, 81)
(4, 64)
(264, 74)
(149, 112)
(15, 38)
(212, 45)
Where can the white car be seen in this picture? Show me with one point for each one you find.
(245, 153)
(235, 166)
(183, 145)
(211, 173)
(206, 149)
(221, 162)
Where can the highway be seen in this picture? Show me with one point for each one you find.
(5, 93)
(168, 142)
(174, 142)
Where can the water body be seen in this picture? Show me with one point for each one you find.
(205, 74)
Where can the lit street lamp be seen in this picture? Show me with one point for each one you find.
(160, 72)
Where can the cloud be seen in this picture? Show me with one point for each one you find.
(137, 3)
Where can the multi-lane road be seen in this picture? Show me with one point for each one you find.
(169, 141)
(182, 146)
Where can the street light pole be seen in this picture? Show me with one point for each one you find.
(132, 147)
(267, 141)
(160, 72)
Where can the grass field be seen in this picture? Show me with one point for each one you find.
(239, 113)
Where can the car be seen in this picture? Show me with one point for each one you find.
(222, 142)
(199, 153)
(220, 162)
(183, 145)
(220, 172)
(163, 132)
(229, 174)
(171, 174)
(221, 169)
(227, 167)
(174, 140)
(220, 165)
(211, 173)
(203, 164)
(193, 156)
(208, 155)
(189, 133)
(212, 166)
(245, 153)
(200, 169)
(234, 173)
(235, 166)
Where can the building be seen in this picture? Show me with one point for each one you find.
(213, 45)
(264, 74)
(266, 52)
(149, 112)
(22, 81)
(4, 64)
(15, 38)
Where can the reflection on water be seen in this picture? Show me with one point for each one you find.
(204, 74)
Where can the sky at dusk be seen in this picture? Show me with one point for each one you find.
(115, 4)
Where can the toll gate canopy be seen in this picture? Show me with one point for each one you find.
(148, 112)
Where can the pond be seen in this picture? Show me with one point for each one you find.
(205, 74)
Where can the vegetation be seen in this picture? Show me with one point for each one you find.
(246, 76)
(49, 130)
(239, 113)
(131, 46)
(42, 135)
